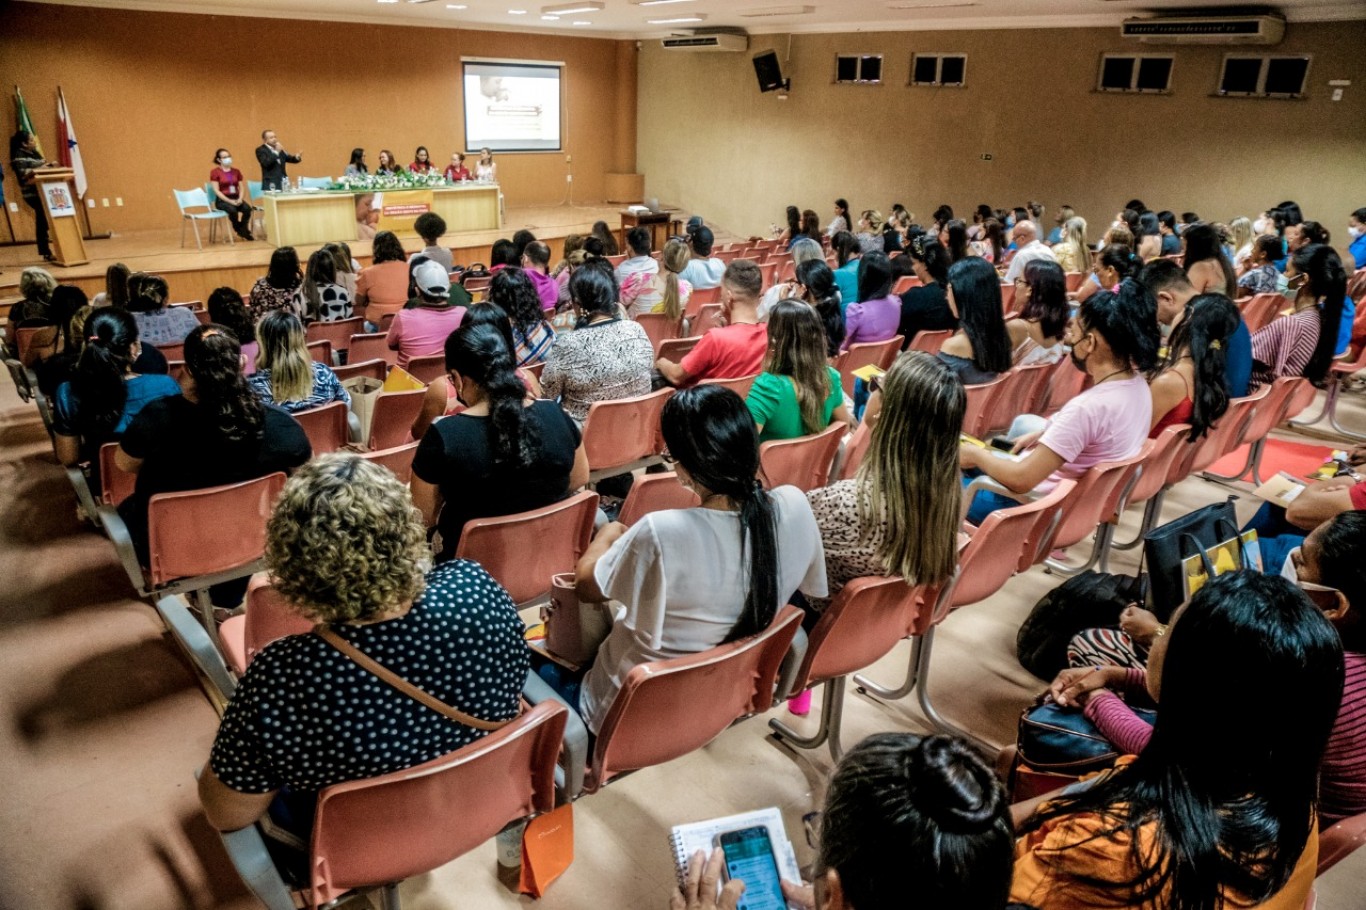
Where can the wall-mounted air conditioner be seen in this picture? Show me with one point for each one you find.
(1205, 30)
(720, 42)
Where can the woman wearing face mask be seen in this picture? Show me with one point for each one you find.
(1114, 339)
(1305, 342)
(1356, 229)
(229, 193)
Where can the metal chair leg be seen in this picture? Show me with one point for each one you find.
(868, 687)
(932, 714)
(1055, 567)
(828, 733)
(388, 897)
(1254, 460)
(1152, 512)
(1329, 402)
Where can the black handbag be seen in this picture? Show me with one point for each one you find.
(1062, 740)
(1165, 548)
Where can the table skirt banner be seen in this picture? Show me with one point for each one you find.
(398, 210)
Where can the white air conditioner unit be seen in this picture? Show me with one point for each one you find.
(723, 42)
(1206, 30)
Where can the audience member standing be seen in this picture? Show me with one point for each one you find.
(24, 160)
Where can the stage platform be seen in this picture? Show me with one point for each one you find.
(192, 274)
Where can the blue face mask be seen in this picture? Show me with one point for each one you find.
(1010, 222)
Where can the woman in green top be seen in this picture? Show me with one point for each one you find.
(798, 393)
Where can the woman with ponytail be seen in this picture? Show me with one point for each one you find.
(815, 284)
(286, 375)
(666, 292)
(503, 453)
(1304, 343)
(1189, 387)
(104, 393)
(909, 820)
(691, 579)
(215, 432)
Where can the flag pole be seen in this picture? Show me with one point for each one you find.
(13, 238)
(84, 206)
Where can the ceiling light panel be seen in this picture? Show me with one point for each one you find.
(573, 9)
(776, 11)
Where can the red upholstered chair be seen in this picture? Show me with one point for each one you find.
(320, 352)
(1260, 309)
(804, 462)
(1339, 841)
(904, 284)
(393, 417)
(622, 435)
(268, 617)
(874, 353)
(929, 342)
(864, 622)
(655, 493)
(853, 449)
(325, 427)
(1339, 374)
(981, 397)
(739, 386)
(399, 459)
(1267, 415)
(659, 328)
(377, 368)
(1170, 447)
(372, 347)
(523, 551)
(376, 832)
(669, 708)
(427, 369)
(338, 333)
(1021, 388)
(675, 348)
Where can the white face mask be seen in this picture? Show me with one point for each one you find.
(1355, 230)
(1289, 571)
(226, 162)
(1259, 227)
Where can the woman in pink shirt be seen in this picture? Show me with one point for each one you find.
(878, 312)
(382, 288)
(1114, 339)
(421, 331)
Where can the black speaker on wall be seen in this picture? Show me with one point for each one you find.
(769, 72)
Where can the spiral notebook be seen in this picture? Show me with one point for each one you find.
(688, 839)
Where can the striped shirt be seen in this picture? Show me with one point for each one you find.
(1342, 778)
(1284, 346)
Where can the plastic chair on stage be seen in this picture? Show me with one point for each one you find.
(427, 369)
(622, 435)
(399, 460)
(324, 426)
(197, 539)
(392, 420)
(804, 462)
(872, 353)
(667, 709)
(1007, 542)
(376, 832)
(504, 545)
(195, 199)
(337, 333)
(865, 621)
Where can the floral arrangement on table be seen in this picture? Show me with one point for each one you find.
(403, 180)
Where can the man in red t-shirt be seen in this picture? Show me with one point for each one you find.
(735, 349)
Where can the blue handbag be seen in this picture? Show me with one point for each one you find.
(1062, 740)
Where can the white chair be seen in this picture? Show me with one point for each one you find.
(197, 198)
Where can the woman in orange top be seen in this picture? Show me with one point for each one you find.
(382, 288)
(1218, 810)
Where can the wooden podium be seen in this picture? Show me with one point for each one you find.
(57, 187)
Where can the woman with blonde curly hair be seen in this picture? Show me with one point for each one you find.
(347, 549)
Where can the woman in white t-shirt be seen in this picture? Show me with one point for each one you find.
(686, 580)
(1114, 338)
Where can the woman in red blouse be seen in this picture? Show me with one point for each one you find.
(422, 161)
(456, 170)
(229, 197)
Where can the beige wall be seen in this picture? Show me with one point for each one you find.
(152, 95)
(709, 141)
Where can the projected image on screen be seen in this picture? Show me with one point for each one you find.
(512, 107)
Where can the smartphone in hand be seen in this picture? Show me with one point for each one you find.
(749, 857)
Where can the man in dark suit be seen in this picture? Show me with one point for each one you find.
(273, 159)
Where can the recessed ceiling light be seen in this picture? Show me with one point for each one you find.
(678, 20)
(929, 4)
(516, 12)
(551, 18)
(580, 6)
(456, 6)
(388, 1)
(658, 2)
(777, 11)
(581, 22)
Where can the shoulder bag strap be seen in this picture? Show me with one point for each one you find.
(401, 684)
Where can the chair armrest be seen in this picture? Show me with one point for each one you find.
(574, 755)
(195, 640)
(984, 482)
(117, 531)
(792, 662)
(84, 497)
(247, 850)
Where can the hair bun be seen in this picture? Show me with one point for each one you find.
(950, 784)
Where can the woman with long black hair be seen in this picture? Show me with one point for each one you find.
(954, 236)
(842, 220)
(1207, 266)
(877, 313)
(847, 256)
(980, 350)
(1304, 343)
(1041, 300)
(816, 286)
(504, 453)
(104, 393)
(758, 547)
(1203, 817)
(1189, 386)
